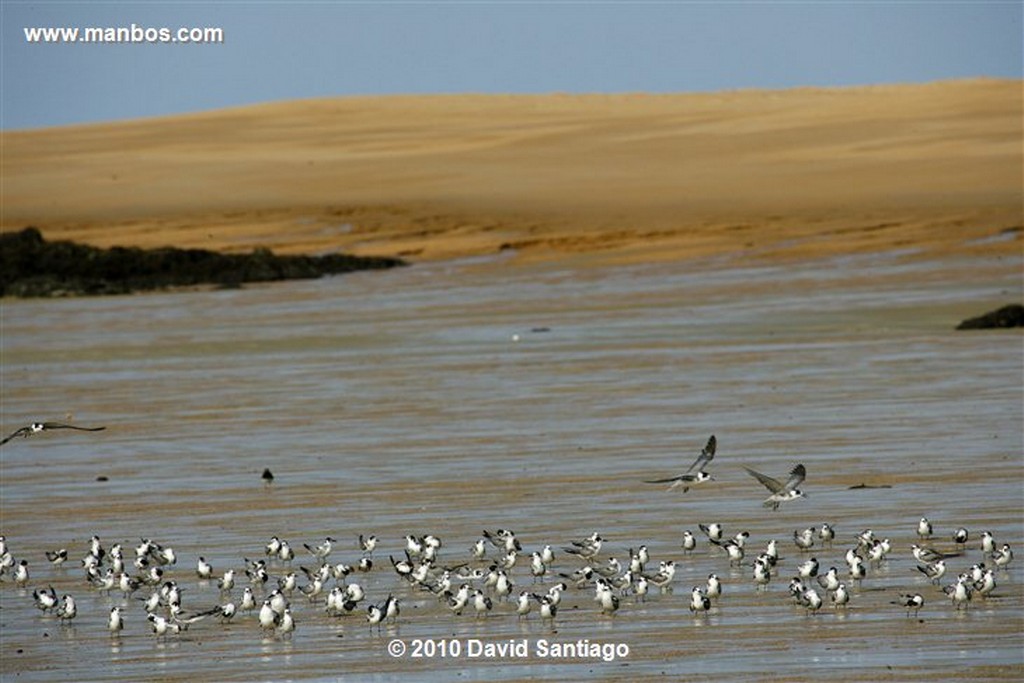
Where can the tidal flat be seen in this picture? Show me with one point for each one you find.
(452, 397)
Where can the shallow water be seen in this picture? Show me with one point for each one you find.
(400, 402)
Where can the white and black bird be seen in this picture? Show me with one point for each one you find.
(714, 587)
(367, 543)
(986, 584)
(21, 575)
(960, 592)
(960, 537)
(664, 576)
(225, 612)
(912, 602)
(285, 552)
(810, 600)
(163, 627)
(323, 550)
(586, 548)
(286, 624)
(227, 581)
(115, 624)
(481, 603)
(523, 604)
(57, 557)
(781, 491)
(67, 609)
(537, 566)
(713, 531)
(927, 555)
(988, 542)
(830, 579)
(934, 571)
(374, 616)
(248, 602)
(699, 601)
(696, 473)
(924, 529)
(689, 542)
(735, 552)
(808, 569)
(804, 540)
(762, 573)
(45, 599)
(605, 596)
(840, 596)
(268, 617)
(826, 534)
(548, 607)
(1003, 556)
(203, 569)
(38, 427)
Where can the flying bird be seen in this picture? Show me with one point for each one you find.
(37, 427)
(695, 474)
(781, 492)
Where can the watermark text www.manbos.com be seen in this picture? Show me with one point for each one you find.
(132, 34)
(516, 648)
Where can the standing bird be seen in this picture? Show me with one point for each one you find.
(840, 596)
(115, 624)
(57, 557)
(695, 474)
(367, 543)
(1002, 557)
(689, 542)
(826, 534)
(804, 540)
(321, 551)
(45, 599)
(699, 602)
(934, 571)
(37, 427)
(988, 542)
(924, 529)
(523, 604)
(67, 610)
(203, 569)
(781, 492)
(912, 602)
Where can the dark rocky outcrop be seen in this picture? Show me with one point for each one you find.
(1007, 316)
(32, 267)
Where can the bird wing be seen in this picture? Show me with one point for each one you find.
(61, 425)
(796, 475)
(680, 478)
(16, 433)
(772, 484)
(706, 456)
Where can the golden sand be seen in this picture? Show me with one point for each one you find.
(606, 178)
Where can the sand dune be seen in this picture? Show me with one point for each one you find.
(611, 178)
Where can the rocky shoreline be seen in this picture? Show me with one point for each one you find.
(31, 266)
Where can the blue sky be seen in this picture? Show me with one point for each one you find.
(278, 51)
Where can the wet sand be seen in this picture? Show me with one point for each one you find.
(395, 403)
(781, 269)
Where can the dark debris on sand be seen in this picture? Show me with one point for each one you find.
(32, 267)
(1007, 316)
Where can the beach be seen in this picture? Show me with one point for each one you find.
(596, 285)
(623, 178)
